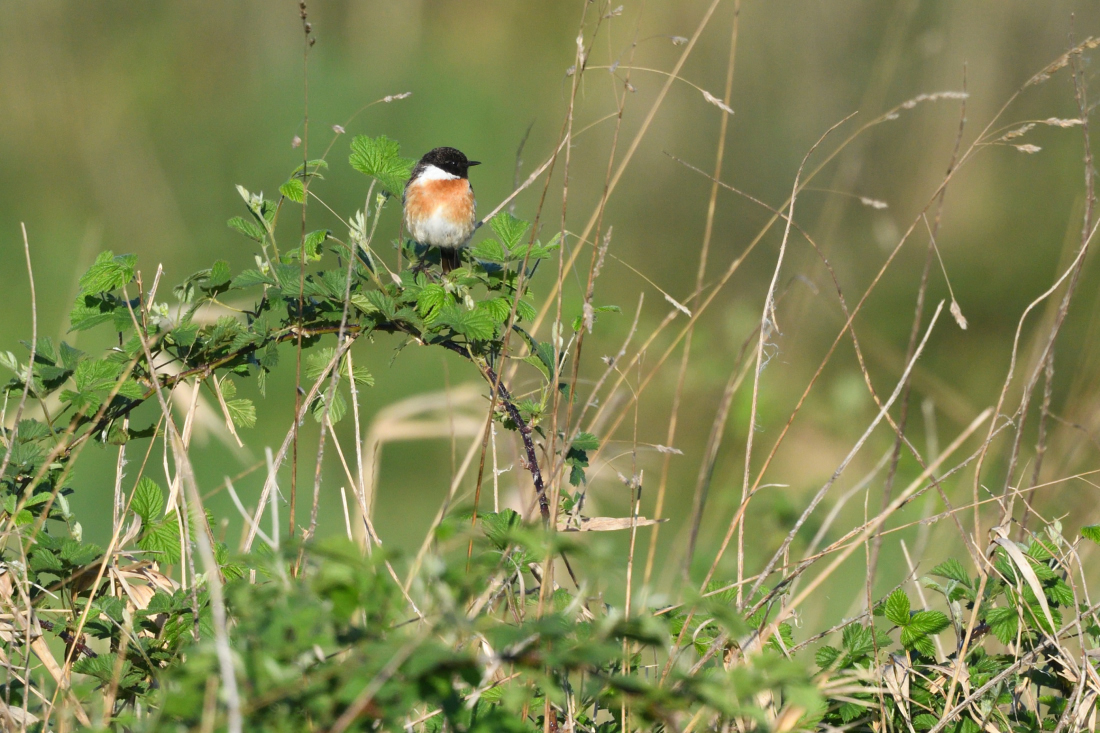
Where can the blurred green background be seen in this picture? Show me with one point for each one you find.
(125, 126)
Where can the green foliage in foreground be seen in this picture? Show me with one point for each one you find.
(326, 637)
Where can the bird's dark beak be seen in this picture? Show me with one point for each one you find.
(472, 163)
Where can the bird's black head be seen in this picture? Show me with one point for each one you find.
(447, 159)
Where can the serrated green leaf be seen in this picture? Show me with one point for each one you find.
(335, 413)
(317, 362)
(923, 644)
(825, 656)
(162, 538)
(360, 301)
(586, 442)
(184, 334)
(1004, 623)
(498, 308)
(382, 303)
(430, 300)
(242, 412)
(218, 277)
(78, 554)
(380, 158)
(509, 229)
(148, 501)
(360, 374)
(251, 278)
(537, 363)
(1061, 593)
(475, 325)
(925, 721)
(897, 608)
(313, 243)
(293, 190)
(849, 711)
(96, 374)
(953, 570)
(489, 250)
(101, 667)
(1091, 532)
(929, 622)
(131, 390)
(525, 311)
(90, 311)
(250, 229)
(32, 430)
(108, 273)
(316, 164)
(42, 560)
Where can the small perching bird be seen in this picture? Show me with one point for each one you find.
(440, 209)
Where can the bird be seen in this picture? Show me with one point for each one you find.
(440, 208)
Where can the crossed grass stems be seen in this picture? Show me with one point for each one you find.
(867, 536)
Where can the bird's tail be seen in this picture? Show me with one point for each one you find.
(449, 259)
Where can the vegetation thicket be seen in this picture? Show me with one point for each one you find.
(504, 620)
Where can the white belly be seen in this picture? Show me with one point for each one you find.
(438, 230)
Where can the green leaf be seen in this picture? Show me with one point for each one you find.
(42, 560)
(90, 311)
(1091, 532)
(920, 642)
(96, 375)
(498, 308)
(925, 721)
(489, 250)
(475, 325)
(108, 273)
(79, 554)
(313, 243)
(148, 501)
(430, 300)
(498, 526)
(250, 229)
(1004, 623)
(953, 570)
(509, 229)
(163, 538)
(242, 412)
(825, 656)
(336, 412)
(293, 190)
(1060, 593)
(897, 608)
(361, 375)
(218, 277)
(380, 158)
(586, 442)
(849, 711)
(538, 364)
(929, 622)
(251, 278)
(967, 725)
(382, 302)
(101, 667)
(525, 311)
(316, 164)
(8, 359)
(184, 334)
(317, 362)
